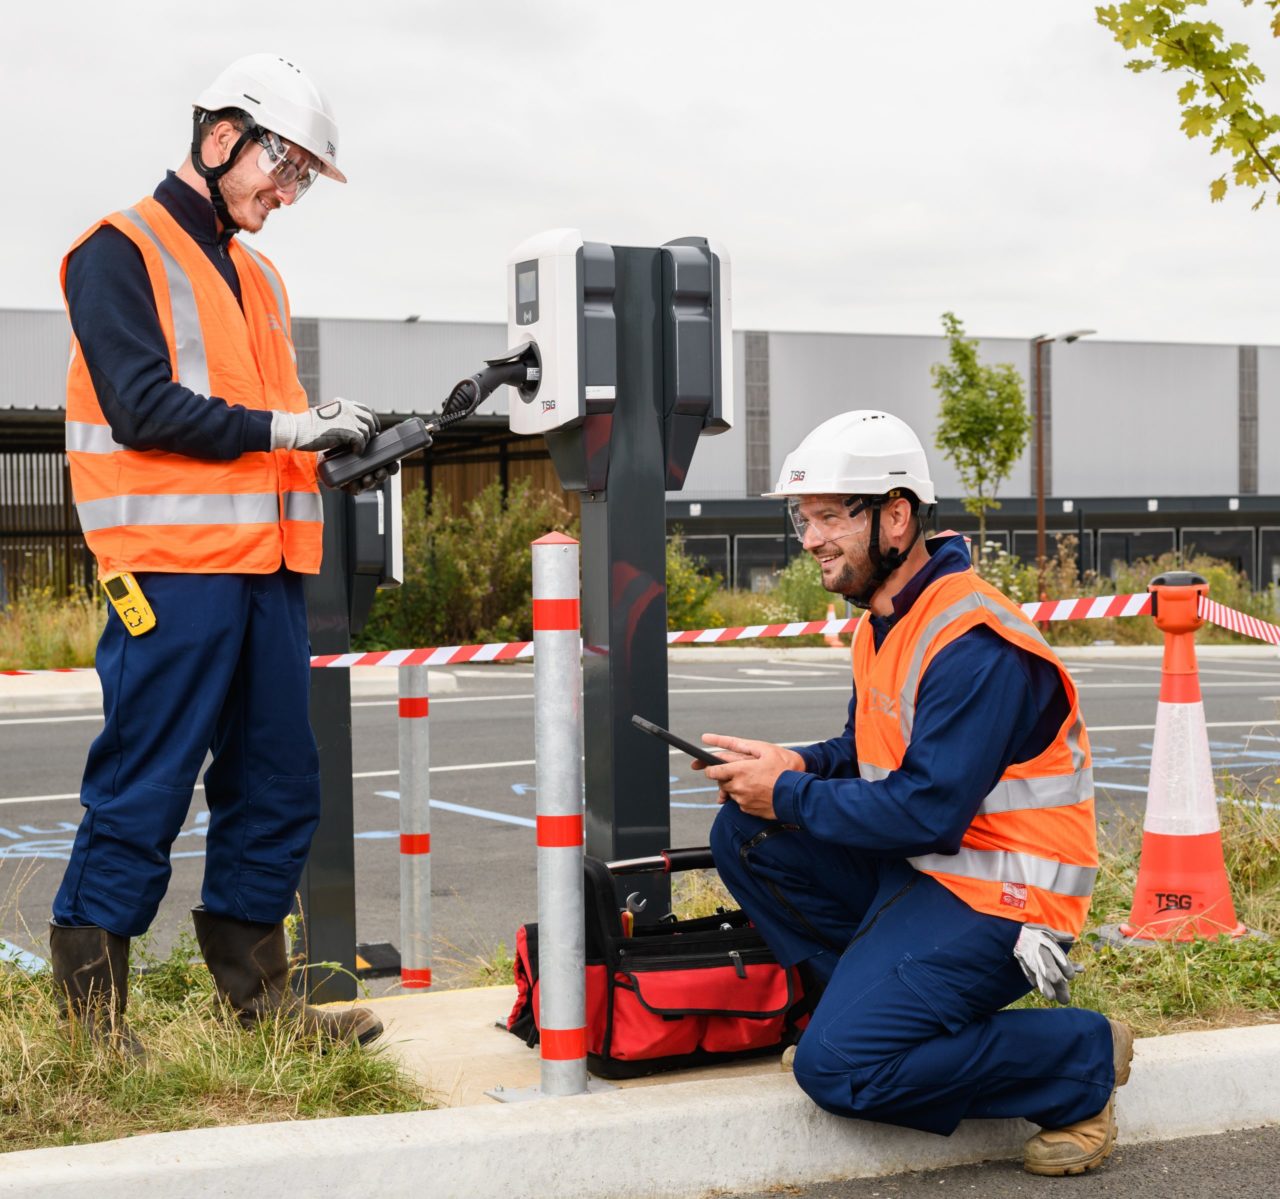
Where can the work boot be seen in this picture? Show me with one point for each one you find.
(1086, 1143)
(250, 967)
(91, 984)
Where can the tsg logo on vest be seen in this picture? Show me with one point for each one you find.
(881, 702)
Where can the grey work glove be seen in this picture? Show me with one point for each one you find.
(337, 425)
(1045, 963)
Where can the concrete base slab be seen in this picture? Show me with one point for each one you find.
(651, 1138)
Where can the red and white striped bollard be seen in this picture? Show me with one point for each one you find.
(415, 831)
(557, 689)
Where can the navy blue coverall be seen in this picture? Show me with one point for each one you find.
(225, 669)
(909, 1029)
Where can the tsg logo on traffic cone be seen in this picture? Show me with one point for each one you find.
(1182, 890)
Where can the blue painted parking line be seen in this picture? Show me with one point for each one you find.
(27, 962)
(484, 813)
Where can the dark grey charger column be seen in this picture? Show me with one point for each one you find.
(327, 889)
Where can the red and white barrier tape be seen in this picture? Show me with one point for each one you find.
(445, 655)
(1238, 622)
(1089, 608)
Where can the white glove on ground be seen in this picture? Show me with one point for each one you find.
(339, 424)
(1045, 963)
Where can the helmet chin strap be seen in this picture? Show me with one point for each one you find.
(883, 563)
(211, 175)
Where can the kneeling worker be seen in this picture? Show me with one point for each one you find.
(933, 862)
(193, 466)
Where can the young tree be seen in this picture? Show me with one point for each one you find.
(1217, 97)
(983, 423)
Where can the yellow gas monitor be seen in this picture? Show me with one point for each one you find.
(127, 599)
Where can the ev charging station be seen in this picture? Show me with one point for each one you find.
(635, 349)
(362, 553)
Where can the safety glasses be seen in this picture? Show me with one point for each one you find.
(829, 520)
(285, 165)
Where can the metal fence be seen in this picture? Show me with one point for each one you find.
(41, 546)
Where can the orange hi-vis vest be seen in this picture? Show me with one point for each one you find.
(1031, 852)
(150, 510)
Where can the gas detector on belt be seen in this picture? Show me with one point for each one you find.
(130, 604)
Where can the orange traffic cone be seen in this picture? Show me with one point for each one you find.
(832, 639)
(1182, 891)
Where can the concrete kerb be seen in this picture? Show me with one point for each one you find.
(683, 1139)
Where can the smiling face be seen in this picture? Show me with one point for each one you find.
(251, 193)
(252, 196)
(837, 541)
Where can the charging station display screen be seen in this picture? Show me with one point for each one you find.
(527, 292)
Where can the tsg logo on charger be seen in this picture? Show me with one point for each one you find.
(548, 405)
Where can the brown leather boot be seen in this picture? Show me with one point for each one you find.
(1086, 1143)
(250, 967)
(91, 981)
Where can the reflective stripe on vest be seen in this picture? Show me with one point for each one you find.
(1019, 795)
(277, 291)
(193, 366)
(999, 866)
(303, 505)
(117, 510)
(84, 438)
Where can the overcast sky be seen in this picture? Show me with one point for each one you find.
(868, 165)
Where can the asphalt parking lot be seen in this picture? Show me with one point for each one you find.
(483, 780)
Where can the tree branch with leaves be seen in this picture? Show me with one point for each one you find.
(983, 422)
(1217, 99)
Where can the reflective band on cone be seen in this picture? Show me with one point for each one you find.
(415, 831)
(1182, 890)
(557, 722)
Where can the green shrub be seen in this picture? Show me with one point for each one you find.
(689, 592)
(468, 574)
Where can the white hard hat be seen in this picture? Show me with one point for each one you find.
(857, 453)
(279, 97)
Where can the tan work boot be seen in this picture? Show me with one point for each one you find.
(1086, 1143)
(250, 967)
(91, 982)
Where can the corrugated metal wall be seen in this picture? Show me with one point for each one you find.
(1145, 420)
(34, 347)
(406, 367)
(814, 376)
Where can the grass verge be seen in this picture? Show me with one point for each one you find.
(202, 1069)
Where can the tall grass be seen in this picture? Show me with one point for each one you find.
(202, 1068)
(40, 631)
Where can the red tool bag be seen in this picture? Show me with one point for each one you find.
(675, 994)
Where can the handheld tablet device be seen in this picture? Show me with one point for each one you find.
(704, 753)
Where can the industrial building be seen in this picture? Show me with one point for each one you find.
(1148, 447)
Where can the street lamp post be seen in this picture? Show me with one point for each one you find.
(1040, 341)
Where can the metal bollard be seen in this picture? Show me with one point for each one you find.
(557, 687)
(415, 831)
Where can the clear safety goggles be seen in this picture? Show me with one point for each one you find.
(829, 521)
(287, 166)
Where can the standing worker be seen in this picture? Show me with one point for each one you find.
(192, 453)
(932, 863)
